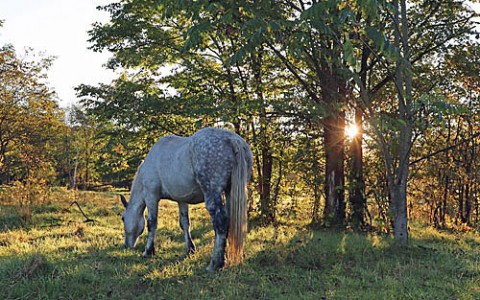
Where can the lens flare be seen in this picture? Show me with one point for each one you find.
(351, 131)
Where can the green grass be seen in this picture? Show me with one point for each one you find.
(54, 255)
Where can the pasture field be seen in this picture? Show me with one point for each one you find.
(47, 251)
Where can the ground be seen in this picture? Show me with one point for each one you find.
(47, 251)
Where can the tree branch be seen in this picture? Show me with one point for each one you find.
(445, 149)
(87, 219)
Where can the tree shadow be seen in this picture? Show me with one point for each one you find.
(336, 265)
(110, 272)
(10, 219)
(309, 264)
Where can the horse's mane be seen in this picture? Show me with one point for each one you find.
(137, 181)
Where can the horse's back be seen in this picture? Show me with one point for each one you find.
(215, 138)
(185, 168)
(171, 170)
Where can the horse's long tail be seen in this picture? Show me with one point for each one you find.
(238, 203)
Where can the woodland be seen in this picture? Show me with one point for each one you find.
(365, 111)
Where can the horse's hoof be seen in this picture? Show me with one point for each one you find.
(148, 253)
(210, 269)
(191, 251)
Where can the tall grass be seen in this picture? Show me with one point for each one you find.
(21, 196)
(59, 256)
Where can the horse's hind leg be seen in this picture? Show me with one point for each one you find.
(185, 225)
(220, 223)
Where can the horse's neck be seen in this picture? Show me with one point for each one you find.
(136, 197)
(137, 201)
(136, 205)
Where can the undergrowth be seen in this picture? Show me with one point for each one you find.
(57, 255)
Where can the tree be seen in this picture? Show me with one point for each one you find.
(26, 105)
(406, 49)
(267, 68)
(204, 85)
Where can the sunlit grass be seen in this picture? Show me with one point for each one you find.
(57, 255)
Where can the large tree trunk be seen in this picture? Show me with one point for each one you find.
(357, 183)
(334, 212)
(333, 93)
(398, 187)
(446, 191)
(398, 176)
(398, 194)
(266, 205)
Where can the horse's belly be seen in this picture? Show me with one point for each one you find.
(190, 193)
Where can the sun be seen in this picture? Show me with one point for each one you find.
(351, 131)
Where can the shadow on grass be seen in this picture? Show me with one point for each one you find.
(308, 265)
(13, 217)
(89, 271)
(10, 219)
(338, 265)
(99, 273)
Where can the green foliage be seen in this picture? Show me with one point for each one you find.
(274, 70)
(26, 105)
(275, 74)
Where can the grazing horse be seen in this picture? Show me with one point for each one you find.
(190, 170)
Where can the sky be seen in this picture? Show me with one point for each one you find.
(58, 28)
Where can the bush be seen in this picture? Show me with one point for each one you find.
(24, 195)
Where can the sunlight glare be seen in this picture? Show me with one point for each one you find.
(351, 131)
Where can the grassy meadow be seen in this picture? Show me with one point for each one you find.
(47, 251)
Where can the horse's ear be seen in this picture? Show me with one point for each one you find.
(124, 201)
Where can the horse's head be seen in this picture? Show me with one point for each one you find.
(133, 223)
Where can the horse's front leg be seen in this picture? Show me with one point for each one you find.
(220, 223)
(185, 225)
(152, 205)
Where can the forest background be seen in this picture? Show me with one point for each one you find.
(366, 110)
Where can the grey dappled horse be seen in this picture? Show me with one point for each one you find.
(190, 170)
